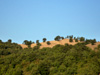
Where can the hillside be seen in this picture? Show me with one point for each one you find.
(93, 46)
(58, 58)
(53, 43)
(23, 46)
(62, 59)
(61, 42)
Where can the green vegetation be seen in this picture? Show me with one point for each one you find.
(59, 60)
(57, 38)
(99, 47)
(92, 41)
(38, 43)
(82, 39)
(26, 42)
(76, 40)
(44, 39)
(71, 39)
(48, 42)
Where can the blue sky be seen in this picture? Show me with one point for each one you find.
(35, 19)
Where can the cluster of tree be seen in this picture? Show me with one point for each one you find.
(9, 45)
(58, 38)
(26, 42)
(59, 60)
(92, 41)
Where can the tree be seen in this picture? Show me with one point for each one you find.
(48, 43)
(82, 39)
(26, 42)
(76, 40)
(37, 41)
(43, 68)
(57, 38)
(38, 44)
(71, 39)
(0, 41)
(9, 41)
(44, 39)
(93, 41)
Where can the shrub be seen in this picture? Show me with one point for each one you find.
(76, 40)
(48, 43)
(44, 39)
(57, 38)
(71, 39)
(82, 39)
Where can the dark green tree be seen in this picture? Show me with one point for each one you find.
(92, 42)
(26, 42)
(43, 68)
(57, 38)
(48, 42)
(76, 40)
(71, 39)
(44, 39)
(38, 44)
(82, 39)
(37, 41)
(0, 41)
(9, 41)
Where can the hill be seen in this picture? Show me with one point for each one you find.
(53, 43)
(73, 59)
(93, 46)
(61, 42)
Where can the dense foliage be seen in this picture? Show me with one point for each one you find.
(59, 60)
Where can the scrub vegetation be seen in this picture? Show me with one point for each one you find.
(65, 59)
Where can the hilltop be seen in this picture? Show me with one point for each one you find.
(61, 42)
(62, 56)
(52, 43)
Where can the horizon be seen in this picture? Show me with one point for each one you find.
(35, 20)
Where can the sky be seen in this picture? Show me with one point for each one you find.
(37, 19)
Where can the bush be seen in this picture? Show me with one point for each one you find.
(71, 39)
(48, 43)
(57, 38)
(43, 68)
(76, 40)
(36, 47)
(44, 39)
(82, 39)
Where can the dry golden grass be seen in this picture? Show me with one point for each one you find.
(53, 43)
(23, 46)
(93, 46)
(61, 42)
